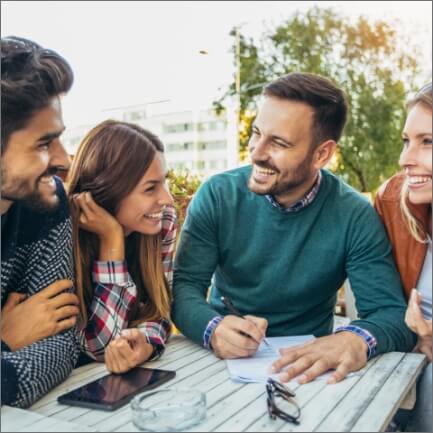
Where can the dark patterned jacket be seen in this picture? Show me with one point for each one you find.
(36, 251)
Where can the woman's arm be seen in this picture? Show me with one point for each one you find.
(115, 293)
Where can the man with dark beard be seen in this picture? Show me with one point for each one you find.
(39, 311)
(279, 238)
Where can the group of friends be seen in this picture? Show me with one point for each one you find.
(89, 270)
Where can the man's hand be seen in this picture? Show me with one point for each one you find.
(127, 351)
(47, 313)
(236, 337)
(344, 352)
(416, 322)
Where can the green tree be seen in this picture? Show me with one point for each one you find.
(370, 61)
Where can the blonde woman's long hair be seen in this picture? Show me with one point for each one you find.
(111, 160)
(424, 97)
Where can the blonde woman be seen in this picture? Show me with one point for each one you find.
(123, 234)
(405, 204)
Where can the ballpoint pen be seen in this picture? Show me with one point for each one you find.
(229, 305)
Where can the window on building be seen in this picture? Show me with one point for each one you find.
(178, 147)
(179, 127)
(215, 145)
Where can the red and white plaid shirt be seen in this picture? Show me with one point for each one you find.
(115, 293)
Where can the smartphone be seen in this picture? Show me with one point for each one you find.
(115, 390)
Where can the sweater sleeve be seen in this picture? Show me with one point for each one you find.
(9, 382)
(31, 372)
(376, 284)
(196, 261)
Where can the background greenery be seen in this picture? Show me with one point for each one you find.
(183, 186)
(372, 62)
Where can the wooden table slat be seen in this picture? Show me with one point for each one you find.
(324, 401)
(364, 402)
(390, 395)
(352, 407)
(20, 420)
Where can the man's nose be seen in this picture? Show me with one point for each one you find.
(259, 151)
(59, 156)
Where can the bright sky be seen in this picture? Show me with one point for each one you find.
(129, 53)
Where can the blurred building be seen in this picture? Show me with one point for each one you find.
(197, 140)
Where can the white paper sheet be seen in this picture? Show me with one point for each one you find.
(256, 369)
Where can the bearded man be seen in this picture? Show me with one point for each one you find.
(39, 345)
(279, 237)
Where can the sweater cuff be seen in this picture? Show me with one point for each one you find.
(364, 334)
(208, 332)
(115, 272)
(9, 382)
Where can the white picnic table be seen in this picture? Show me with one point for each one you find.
(363, 402)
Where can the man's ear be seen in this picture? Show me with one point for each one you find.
(324, 153)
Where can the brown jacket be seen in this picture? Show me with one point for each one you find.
(409, 254)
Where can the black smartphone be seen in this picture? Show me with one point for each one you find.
(115, 390)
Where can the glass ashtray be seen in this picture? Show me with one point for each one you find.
(170, 409)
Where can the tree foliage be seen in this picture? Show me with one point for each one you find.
(368, 60)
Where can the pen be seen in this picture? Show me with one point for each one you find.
(229, 305)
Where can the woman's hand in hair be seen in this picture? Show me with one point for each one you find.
(422, 327)
(95, 219)
(127, 351)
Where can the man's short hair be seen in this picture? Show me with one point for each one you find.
(324, 97)
(30, 77)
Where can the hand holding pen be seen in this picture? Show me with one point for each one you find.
(238, 336)
(229, 305)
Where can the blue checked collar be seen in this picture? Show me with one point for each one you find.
(301, 203)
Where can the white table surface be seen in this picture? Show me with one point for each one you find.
(365, 402)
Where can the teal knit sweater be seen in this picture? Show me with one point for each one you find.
(286, 267)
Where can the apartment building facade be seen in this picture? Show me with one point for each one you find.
(196, 140)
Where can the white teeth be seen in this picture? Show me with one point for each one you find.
(156, 216)
(264, 171)
(413, 180)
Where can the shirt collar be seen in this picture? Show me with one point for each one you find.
(301, 203)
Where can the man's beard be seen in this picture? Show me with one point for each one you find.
(22, 193)
(298, 177)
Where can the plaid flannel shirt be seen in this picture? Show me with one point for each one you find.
(115, 293)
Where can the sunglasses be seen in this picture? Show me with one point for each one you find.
(281, 402)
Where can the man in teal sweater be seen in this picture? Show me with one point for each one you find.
(279, 238)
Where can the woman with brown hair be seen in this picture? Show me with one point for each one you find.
(404, 203)
(124, 233)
